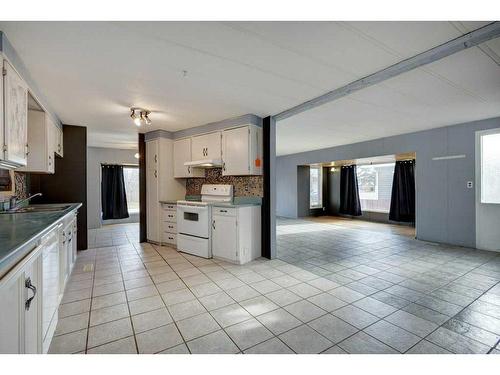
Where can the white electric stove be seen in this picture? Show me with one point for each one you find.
(194, 219)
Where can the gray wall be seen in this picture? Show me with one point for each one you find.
(96, 156)
(445, 208)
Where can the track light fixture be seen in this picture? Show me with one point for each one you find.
(140, 116)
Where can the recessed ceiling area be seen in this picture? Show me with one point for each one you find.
(192, 73)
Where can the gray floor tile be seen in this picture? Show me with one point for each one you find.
(108, 314)
(242, 293)
(69, 343)
(145, 305)
(488, 338)
(305, 340)
(355, 316)
(179, 349)
(411, 323)
(392, 335)
(305, 311)
(151, 319)
(197, 326)
(74, 308)
(361, 343)
(72, 323)
(335, 350)
(279, 321)
(477, 319)
(425, 313)
(346, 294)
(108, 332)
(248, 333)
(122, 346)
(327, 302)
(455, 342)
(230, 315)
(426, 347)
(216, 301)
(108, 300)
(283, 297)
(214, 343)
(185, 310)
(272, 346)
(258, 305)
(158, 339)
(304, 290)
(374, 307)
(333, 328)
(178, 296)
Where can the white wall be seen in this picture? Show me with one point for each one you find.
(96, 156)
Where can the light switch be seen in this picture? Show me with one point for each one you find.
(469, 184)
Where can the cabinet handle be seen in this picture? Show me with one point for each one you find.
(156, 158)
(189, 170)
(27, 284)
(156, 173)
(27, 149)
(224, 166)
(223, 210)
(213, 224)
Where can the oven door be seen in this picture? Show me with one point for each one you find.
(193, 220)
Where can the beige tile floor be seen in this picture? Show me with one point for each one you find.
(332, 290)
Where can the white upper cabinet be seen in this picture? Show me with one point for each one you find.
(242, 151)
(41, 142)
(15, 132)
(207, 146)
(182, 154)
(58, 141)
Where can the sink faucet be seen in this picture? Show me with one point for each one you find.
(15, 204)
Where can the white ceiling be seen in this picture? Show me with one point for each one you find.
(92, 72)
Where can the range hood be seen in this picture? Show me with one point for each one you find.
(204, 163)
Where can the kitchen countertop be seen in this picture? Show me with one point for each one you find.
(171, 201)
(18, 230)
(236, 204)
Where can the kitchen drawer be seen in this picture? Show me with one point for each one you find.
(223, 211)
(168, 206)
(169, 227)
(170, 216)
(169, 238)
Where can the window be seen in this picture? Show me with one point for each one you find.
(131, 177)
(375, 186)
(316, 187)
(490, 168)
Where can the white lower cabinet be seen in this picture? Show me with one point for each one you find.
(236, 233)
(169, 219)
(20, 296)
(30, 293)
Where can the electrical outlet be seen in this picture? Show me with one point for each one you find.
(469, 184)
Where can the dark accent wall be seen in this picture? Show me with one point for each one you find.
(266, 199)
(69, 182)
(142, 189)
(303, 190)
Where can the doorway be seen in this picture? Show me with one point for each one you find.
(488, 189)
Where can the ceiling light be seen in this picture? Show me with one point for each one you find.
(140, 116)
(136, 155)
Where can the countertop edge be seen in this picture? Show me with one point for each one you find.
(17, 254)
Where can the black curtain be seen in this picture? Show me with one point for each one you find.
(403, 192)
(349, 195)
(113, 196)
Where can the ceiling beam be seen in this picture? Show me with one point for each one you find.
(478, 36)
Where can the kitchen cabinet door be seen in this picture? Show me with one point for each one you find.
(153, 205)
(152, 157)
(235, 153)
(50, 285)
(207, 146)
(11, 295)
(33, 307)
(59, 141)
(225, 237)
(15, 116)
(40, 143)
(182, 154)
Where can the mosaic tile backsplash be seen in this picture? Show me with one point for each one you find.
(21, 184)
(244, 186)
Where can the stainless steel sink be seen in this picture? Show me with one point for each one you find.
(37, 208)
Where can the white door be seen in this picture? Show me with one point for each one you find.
(235, 152)
(15, 117)
(488, 190)
(224, 237)
(207, 146)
